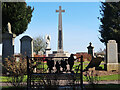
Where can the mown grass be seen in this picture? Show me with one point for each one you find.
(9, 79)
(101, 78)
(108, 77)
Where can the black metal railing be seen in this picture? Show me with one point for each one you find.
(41, 73)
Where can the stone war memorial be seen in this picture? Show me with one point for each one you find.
(58, 69)
(60, 52)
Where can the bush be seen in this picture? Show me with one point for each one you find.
(92, 77)
(17, 68)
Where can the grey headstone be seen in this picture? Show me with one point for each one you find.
(7, 45)
(112, 52)
(0, 23)
(26, 46)
(90, 49)
(112, 56)
(0, 36)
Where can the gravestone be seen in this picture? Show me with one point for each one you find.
(7, 43)
(26, 46)
(0, 35)
(112, 55)
(0, 24)
(90, 49)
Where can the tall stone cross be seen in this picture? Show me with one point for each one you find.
(60, 35)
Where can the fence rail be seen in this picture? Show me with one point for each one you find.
(40, 74)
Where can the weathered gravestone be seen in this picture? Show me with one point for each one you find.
(112, 55)
(90, 49)
(26, 46)
(0, 38)
(7, 43)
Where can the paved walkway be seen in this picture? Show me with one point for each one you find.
(100, 82)
(106, 82)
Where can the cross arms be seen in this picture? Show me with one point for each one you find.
(60, 11)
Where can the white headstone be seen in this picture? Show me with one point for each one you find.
(47, 50)
(48, 38)
(112, 55)
(26, 46)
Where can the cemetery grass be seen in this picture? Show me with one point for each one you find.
(102, 78)
(110, 77)
(9, 79)
(75, 67)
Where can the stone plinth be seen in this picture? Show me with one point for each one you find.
(26, 46)
(47, 51)
(112, 66)
(112, 55)
(58, 54)
(7, 45)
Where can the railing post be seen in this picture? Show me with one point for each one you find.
(81, 74)
(27, 73)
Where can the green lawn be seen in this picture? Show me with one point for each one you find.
(108, 77)
(8, 79)
(84, 65)
(102, 78)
